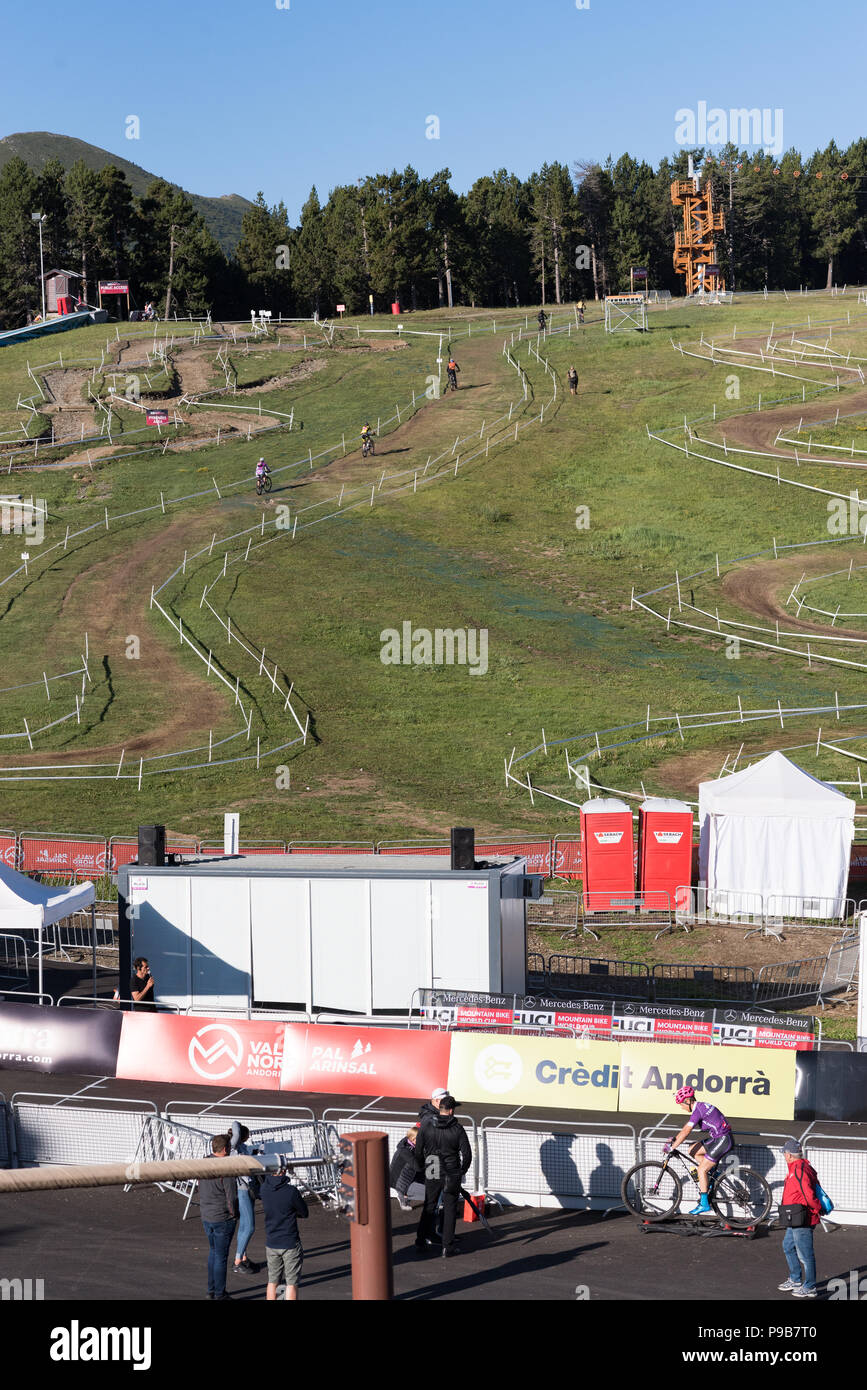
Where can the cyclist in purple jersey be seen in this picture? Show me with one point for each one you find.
(707, 1152)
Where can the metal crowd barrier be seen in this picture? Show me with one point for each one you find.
(49, 1130)
(6, 1133)
(395, 1124)
(562, 1163)
(14, 961)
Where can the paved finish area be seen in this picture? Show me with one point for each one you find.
(107, 1244)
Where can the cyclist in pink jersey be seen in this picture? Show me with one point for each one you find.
(706, 1151)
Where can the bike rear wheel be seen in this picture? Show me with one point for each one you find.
(651, 1191)
(741, 1198)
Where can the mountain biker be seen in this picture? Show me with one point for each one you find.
(452, 368)
(262, 470)
(708, 1152)
(543, 319)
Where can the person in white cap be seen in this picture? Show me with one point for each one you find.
(430, 1109)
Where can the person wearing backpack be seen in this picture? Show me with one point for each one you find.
(800, 1211)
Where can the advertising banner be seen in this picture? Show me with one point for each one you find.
(550, 1073)
(573, 1074)
(156, 417)
(60, 855)
(36, 1038)
(7, 849)
(618, 1018)
(342, 1060)
(114, 286)
(737, 1083)
(177, 1049)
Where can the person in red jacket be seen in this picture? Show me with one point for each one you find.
(800, 1190)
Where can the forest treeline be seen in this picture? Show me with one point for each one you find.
(562, 234)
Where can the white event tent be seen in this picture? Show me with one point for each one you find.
(775, 830)
(28, 907)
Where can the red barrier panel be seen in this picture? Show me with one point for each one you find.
(439, 848)
(57, 853)
(269, 1055)
(536, 852)
(174, 1048)
(254, 847)
(568, 861)
(343, 1060)
(125, 850)
(318, 847)
(8, 843)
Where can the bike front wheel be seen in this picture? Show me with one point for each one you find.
(651, 1191)
(741, 1198)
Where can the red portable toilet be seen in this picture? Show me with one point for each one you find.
(664, 852)
(609, 861)
(395, 308)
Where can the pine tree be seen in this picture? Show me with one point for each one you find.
(20, 294)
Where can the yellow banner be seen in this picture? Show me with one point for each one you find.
(554, 1073)
(580, 1074)
(744, 1082)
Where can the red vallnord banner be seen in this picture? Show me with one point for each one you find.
(272, 1056)
(180, 1049)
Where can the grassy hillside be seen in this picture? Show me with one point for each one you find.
(410, 749)
(222, 215)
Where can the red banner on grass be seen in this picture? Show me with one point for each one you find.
(58, 855)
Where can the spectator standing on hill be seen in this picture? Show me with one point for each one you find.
(446, 1156)
(572, 378)
(218, 1208)
(799, 1202)
(283, 1205)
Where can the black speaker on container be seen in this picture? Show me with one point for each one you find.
(463, 839)
(152, 844)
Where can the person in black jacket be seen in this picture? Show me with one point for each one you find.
(446, 1156)
(218, 1208)
(430, 1109)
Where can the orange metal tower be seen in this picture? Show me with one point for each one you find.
(695, 247)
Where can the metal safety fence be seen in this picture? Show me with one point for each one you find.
(69, 1129)
(6, 1133)
(557, 1163)
(395, 1123)
(14, 960)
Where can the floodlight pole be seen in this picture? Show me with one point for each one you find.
(40, 218)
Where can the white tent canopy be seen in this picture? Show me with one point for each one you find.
(775, 830)
(28, 906)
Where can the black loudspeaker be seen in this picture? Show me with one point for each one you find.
(152, 844)
(463, 847)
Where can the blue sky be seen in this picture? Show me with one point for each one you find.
(237, 95)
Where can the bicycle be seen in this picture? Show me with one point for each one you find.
(653, 1191)
(367, 446)
(263, 484)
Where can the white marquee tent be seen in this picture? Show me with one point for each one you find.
(775, 830)
(28, 907)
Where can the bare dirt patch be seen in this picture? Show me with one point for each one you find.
(762, 589)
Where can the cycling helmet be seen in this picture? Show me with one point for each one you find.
(685, 1093)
